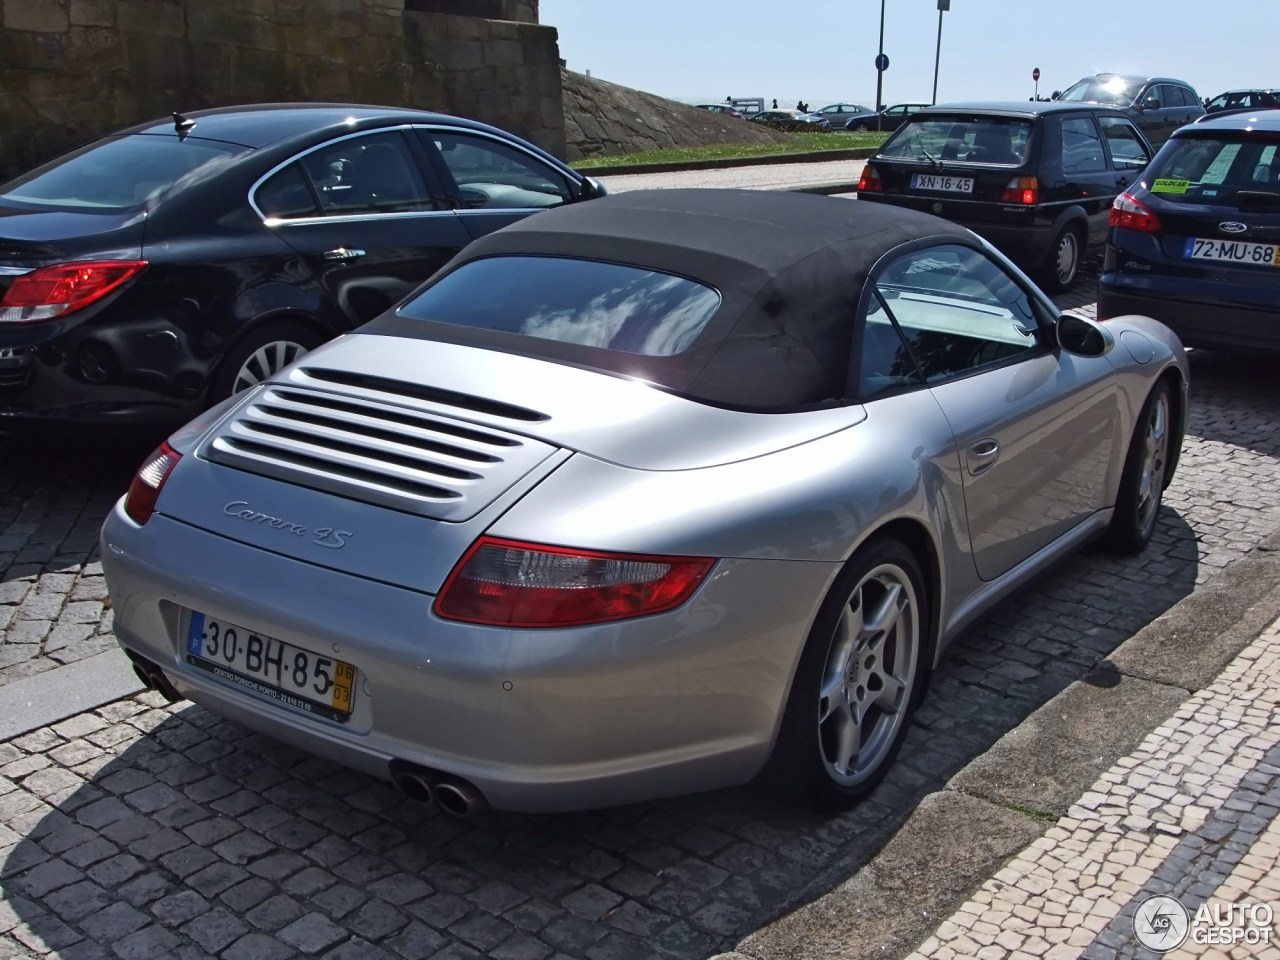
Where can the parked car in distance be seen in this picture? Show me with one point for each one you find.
(722, 108)
(890, 118)
(1196, 242)
(642, 497)
(1159, 105)
(1239, 101)
(792, 121)
(1036, 178)
(158, 270)
(838, 114)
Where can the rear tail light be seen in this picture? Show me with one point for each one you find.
(508, 583)
(1023, 191)
(63, 288)
(140, 501)
(870, 181)
(1131, 214)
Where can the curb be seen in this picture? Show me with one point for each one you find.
(961, 835)
(813, 156)
(46, 698)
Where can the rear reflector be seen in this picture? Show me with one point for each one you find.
(870, 181)
(508, 583)
(1130, 214)
(1023, 191)
(63, 288)
(140, 501)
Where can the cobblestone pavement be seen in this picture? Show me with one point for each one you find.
(1193, 813)
(151, 831)
(763, 177)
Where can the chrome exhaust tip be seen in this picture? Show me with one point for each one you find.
(459, 798)
(416, 787)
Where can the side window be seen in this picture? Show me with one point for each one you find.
(369, 174)
(896, 112)
(286, 195)
(954, 311)
(1190, 98)
(1127, 149)
(1081, 147)
(493, 176)
(1153, 99)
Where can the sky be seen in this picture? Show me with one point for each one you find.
(823, 51)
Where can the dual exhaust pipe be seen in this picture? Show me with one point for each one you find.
(452, 795)
(153, 678)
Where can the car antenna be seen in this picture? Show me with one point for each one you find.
(182, 125)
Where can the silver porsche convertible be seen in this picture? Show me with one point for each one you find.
(643, 496)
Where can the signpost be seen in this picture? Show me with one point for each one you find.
(882, 64)
(943, 7)
(1035, 75)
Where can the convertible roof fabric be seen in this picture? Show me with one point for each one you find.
(789, 267)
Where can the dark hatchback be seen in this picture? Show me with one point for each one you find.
(1037, 179)
(1196, 243)
(152, 273)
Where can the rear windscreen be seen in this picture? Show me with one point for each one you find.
(1214, 169)
(997, 140)
(119, 173)
(584, 302)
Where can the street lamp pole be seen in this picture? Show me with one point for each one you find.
(943, 7)
(879, 60)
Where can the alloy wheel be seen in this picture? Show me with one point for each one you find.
(1155, 460)
(869, 675)
(266, 361)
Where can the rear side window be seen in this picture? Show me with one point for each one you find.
(122, 172)
(995, 140)
(585, 302)
(1081, 147)
(1214, 170)
(1127, 148)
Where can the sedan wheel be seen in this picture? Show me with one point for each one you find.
(261, 355)
(1145, 474)
(860, 677)
(268, 359)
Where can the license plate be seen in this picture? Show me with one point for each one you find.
(1234, 251)
(271, 668)
(936, 181)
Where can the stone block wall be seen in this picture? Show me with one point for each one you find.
(71, 70)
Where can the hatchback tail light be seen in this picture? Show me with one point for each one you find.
(63, 288)
(1128, 212)
(1023, 191)
(140, 501)
(870, 181)
(508, 583)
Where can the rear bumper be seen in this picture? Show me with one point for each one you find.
(1206, 322)
(538, 720)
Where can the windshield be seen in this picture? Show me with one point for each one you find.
(120, 173)
(1114, 90)
(585, 302)
(1215, 170)
(997, 140)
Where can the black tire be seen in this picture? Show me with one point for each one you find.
(848, 665)
(1146, 467)
(861, 128)
(260, 353)
(1062, 265)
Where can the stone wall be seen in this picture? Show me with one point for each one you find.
(604, 118)
(71, 70)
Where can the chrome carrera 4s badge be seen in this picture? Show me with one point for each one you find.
(320, 536)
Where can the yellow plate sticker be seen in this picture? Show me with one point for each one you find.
(1170, 186)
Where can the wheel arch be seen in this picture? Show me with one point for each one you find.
(918, 540)
(247, 330)
(1178, 399)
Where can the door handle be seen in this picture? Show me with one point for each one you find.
(342, 253)
(983, 456)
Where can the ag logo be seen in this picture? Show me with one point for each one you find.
(1161, 923)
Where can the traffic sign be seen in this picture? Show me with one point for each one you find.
(944, 5)
(1035, 74)
(882, 61)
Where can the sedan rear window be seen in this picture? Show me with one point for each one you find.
(968, 139)
(1214, 169)
(585, 302)
(121, 172)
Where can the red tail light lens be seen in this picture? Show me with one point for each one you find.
(1129, 213)
(140, 501)
(64, 288)
(870, 181)
(1023, 191)
(507, 583)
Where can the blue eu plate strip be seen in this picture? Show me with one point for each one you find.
(195, 636)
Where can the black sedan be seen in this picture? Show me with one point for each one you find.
(154, 272)
(890, 118)
(792, 121)
(1196, 242)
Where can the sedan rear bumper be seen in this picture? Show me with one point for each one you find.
(538, 720)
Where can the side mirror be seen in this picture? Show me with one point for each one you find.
(591, 188)
(1083, 337)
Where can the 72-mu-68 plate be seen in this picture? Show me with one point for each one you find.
(1233, 251)
(271, 668)
(937, 181)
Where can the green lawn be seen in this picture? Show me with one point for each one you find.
(796, 143)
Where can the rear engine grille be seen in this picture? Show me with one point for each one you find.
(365, 449)
(418, 391)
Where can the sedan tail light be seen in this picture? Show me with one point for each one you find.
(1128, 212)
(870, 181)
(508, 583)
(1024, 191)
(63, 288)
(140, 501)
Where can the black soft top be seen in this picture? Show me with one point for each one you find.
(789, 268)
